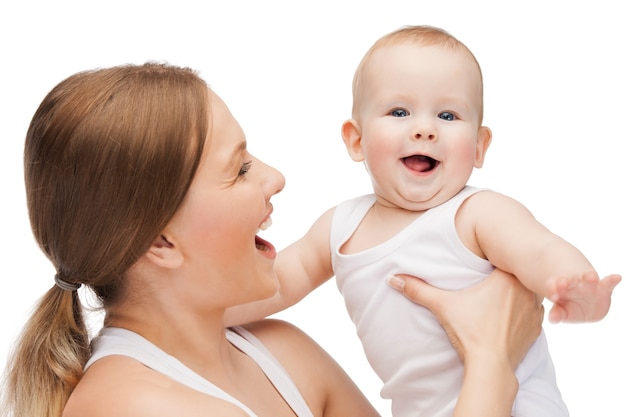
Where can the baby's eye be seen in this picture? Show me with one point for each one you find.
(399, 113)
(446, 115)
(244, 168)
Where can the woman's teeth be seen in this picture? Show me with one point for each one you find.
(267, 223)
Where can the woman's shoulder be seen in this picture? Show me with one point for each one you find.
(324, 385)
(281, 337)
(307, 364)
(121, 386)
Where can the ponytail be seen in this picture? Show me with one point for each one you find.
(48, 359)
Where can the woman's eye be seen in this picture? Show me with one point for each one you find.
(245, 168)
(399, 113)
(446, 115)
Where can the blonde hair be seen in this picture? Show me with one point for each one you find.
(422, 35)
(109, 156)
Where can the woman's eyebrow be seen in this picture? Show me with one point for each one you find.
(234, 157)
(239, 148)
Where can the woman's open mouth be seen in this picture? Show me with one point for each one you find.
(263, 245)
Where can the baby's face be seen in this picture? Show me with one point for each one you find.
(419, 111)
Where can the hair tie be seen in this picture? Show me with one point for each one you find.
(64, 285)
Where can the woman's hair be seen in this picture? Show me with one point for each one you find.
(108, 159)
(422, 35)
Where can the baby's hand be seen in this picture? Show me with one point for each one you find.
(586, 298)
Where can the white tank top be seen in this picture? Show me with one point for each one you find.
(117, 341)
(404, 342)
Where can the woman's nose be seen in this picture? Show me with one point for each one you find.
(274, 182)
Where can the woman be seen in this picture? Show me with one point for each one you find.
(140, 186)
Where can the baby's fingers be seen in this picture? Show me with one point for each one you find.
(557, 314)
(560, 286)
(610, 282)
(591, 277)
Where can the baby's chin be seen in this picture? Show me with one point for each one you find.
(415, 202)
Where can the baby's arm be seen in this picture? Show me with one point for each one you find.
(300, 268)
(502, 230)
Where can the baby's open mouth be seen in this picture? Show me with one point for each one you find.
(420, 163)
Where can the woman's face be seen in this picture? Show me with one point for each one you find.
(216, 226)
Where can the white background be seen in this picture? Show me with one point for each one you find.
(554, 98)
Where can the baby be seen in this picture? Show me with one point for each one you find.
(417, 126)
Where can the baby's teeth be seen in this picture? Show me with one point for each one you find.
(267, 223)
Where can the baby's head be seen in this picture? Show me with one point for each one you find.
(416, 117)
(424, 36)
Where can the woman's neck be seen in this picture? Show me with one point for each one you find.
(197, 339)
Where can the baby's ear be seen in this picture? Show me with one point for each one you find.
(351, 134)
(165, 253)
(482, 144)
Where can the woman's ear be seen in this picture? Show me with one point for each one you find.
(482, 144)
(165, 253)
(351, 134)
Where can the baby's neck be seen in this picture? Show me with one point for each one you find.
(380, 224)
